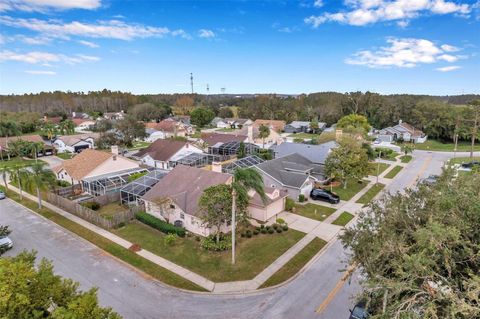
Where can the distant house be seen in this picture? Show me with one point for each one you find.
(80, 115)
(162, 152)
(152, 135)
(82, 124)
(215, 121)
(75, 143)
(402, 131)
(46, 149)
(114, 116)
(52, 120)
(175, 199)
(237, 123)
(317, 154)
(276, 125)
(169, 128)
(253, 135)
(212, 139)
(302, 127)
(185, 119)
(91, 168)
(292, 173)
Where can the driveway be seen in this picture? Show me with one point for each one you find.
(52, 161)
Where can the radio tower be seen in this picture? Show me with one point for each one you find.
(191, 81)
(208, 89)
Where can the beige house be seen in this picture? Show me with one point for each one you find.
(175, 199)
(253, 133)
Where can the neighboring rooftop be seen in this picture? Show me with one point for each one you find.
(168, 125)
(83, 163)
(315, 153)
(162, 149)
(276, 125)
(74, 139)
(212, 139)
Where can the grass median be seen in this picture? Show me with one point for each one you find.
(343, 219)
(371, 193)
(314, 211)
(393, 172)
(118, 251)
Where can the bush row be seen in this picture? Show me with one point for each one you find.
(264, 230)
(156, 223)
(91, 205)
(210, 243)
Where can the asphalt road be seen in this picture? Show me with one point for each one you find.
(134, 295)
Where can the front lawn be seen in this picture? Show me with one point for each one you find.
(14, 161)
(393, 172)
(65, 155)
(226, 129)
(434, 145)
(373, 167)
(371, 193)
(295, 264)
(343, 219)
(406, 158)
(460, 160)
(138, 145)
(305, 136)
(313, 211)
(353, 187)
(253, 254)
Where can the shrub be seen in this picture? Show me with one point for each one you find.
(275, 226)
(249, 235)
(169, 240)
(268, 228)
(289, 204)
(280, 221)
(279, 230)
(91, 205)
(197, 238)
(135, 248)
(256, 231)
(263, 230)
(210, 243)
(301, 198)
(242, 234)
(271, 231)
(62, 183)
(156, 223)
(257, 228)
(121, 224)
(262, 226)
(285, 228)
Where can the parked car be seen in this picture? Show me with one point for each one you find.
(430, 180)
(324, 195)
(470, 165)
(5, 243)
(359, 311)
(2, 195)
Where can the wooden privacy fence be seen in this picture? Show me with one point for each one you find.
(93, 216)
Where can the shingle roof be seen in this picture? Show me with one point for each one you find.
(315, 153)
(74, 139)
(214, 138)
(162, 150)
(291, 170)
(185, 185)
(167, 125)
(85, 162)
(257, 200)
(274, 124)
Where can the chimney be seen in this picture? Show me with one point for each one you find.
(400, 121)
(216, 167)
(250, 134)
(114, 149)
(74, 114)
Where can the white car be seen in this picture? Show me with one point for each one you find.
(5, 243)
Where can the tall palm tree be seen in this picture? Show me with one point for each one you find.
(244, 180)
(40, 178)
(18, 174)
(263, 133)
(5, 170)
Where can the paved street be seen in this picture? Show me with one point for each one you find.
(135, 296)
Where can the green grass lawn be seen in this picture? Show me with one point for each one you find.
(253, 254)
(197, 134)
(406, 158)
(371, 193)
(393, 172)
(226, 129)
(110, 209)
(65, 156)
(17, 161)
(353, 187)
(374, 166)
(343, 219)
(434, 145)
(118, 251)
(305, 136)
(326, 137)
(313, 211)
(460, 160)
(138, 145)
(295, 264)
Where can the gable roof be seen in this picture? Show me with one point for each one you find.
(402, 128)
(215, 138)
(276, 125)
(162, 150)
(291, 170)
(167, 125)
(315, 153)
(74, 139)
(256, 200)
(83, 163)
(185, 185)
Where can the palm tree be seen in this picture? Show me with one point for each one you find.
(19, 176)
(66, 126)
(244, 180)
(264, 132)
(5, 170)
(39, 178)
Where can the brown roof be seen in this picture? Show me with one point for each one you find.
(411, 129)
(74, 139)
(85, 162)
(28, 138)
(257, 200)
(168, 125)
(273, 124)
(185, 185)
(162, 150)
(78, 121)
(214, 138)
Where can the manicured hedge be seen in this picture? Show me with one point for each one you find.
(162, 226)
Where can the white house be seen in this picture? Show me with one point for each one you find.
(401, 131)
(153, 135)
(83, 125)
(75, 143)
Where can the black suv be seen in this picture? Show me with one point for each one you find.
(470, 164)
(359, 311)
(324, 195)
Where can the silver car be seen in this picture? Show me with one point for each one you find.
(2, 195)
(5, 243)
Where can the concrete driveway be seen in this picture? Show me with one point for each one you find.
(52, 160)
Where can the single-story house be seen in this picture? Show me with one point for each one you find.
(253, 135)
(175, 199)
(317, 154)
(161, 153)
(153, 135)
(75, 143)
(45, 150)
(169, 128)
(402, 131)
(276, 125)
(237, 123)
(303, 127)
(185, 119)
(114, 116)
(91, 166)
(82, 124)
(292, 173)
(215, 121)
(211, 139)
(80, 115)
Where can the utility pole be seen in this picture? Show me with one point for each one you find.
(474, 129)
(455, 136)
(191, 81)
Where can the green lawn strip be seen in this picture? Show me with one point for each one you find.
(406, 158)
(118, 251)
(326, 137)
(304, 136)
(16, 161)
(295, 264)
(371, 193)
(374, 166)
(353, 187)
(393, 172)
(226, 129)
(252, 255)
(343, 219)
(65, 156)
(434, 145)
(313, 211)
(460, 160)
(138, 145)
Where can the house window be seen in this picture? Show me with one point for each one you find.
(273, 185)
(182, 216)
(172, 206)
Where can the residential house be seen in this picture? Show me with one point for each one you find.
(276, 125)
(184, 122)
(253, 134)
(402, 131)
(75, 143)
(82, 124)
(185, 119)
(46, 149)
(52, 120)
(292, 173)
(92, 168)
(114, 116)
(237, 123)
(169, 128)
(162, 152)
(215, 122)
(303, 127)
(80, 115)
(152, 135)
(212, 139)
(317, 154)
(175, 199)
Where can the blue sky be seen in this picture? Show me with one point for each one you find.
(386, 46)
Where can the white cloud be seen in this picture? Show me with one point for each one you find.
(40, 72)
(318, 3)
(113, 29)
(45, 58)
(205, 33)
(44, 5)
(448, 68)
(181, 33)
(402, 53)
(364, 12)
(449, 48)
(88, 44)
